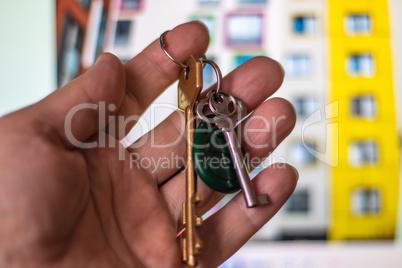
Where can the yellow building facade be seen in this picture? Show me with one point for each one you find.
(365, 183)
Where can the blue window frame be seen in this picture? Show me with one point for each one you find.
(363, 153)
(304, 25)
(364, 106)
(122, 35)
(85, 3)
(361, 64)
(131, 4)
(209, 2)
(358, 24)
(240, 59)
(305, 105)
(253, 2)
(366, 201)
(299, 202)
(299, 154)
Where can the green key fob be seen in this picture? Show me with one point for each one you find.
(212, 160)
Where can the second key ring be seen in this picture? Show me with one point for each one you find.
(230, 107)
(217, 71)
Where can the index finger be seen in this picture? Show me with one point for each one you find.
(151, 71)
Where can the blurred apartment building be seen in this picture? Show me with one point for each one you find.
(365, 184)
(338, 64)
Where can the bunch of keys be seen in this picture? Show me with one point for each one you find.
(219, 113)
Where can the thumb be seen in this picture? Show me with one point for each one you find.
(80, 109)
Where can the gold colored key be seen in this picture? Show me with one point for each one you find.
(190, 85)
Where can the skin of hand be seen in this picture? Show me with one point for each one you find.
(62, 206)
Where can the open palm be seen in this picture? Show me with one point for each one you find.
(61, 205)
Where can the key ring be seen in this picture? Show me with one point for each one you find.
(216, 93)
(217, 73)
(163, 45)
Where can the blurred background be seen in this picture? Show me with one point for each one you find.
(343, 65)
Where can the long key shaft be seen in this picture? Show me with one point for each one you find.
(225, 119)
(190, 85)
(242, 172)
(191, 243)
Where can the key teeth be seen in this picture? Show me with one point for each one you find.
(198, 221)
(198, 197)
(198, 244)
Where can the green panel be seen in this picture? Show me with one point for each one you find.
(212, 160)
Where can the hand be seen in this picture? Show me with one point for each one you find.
(65, 206)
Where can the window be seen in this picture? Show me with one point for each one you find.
(365, 201)
(298, 65)
(364, 106)
(209, 21)
(305, 105)
(70, 52)
(240, 59)
(130, 4)
(363, 153)
(300, 155)
(253, 2)
(122, 33)
(85, 3)
(358, 24)
(361, 64)
(101, 35)
(304, 25)
(298, 202)
(209, 2)
(244, 29)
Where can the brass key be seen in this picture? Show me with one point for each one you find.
(190, 85)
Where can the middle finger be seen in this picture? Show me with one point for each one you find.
(253, 82)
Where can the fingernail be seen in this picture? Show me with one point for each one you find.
(296, 172)
(203, 24)
(100, 58)
(283, 70)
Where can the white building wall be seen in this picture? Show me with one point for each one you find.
(395, 6)
(312, 178)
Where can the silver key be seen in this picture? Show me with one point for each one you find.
(223, 110)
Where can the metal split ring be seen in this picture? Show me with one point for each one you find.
(163, 46)
(214, 93)
(228, 99)
(217, 71)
